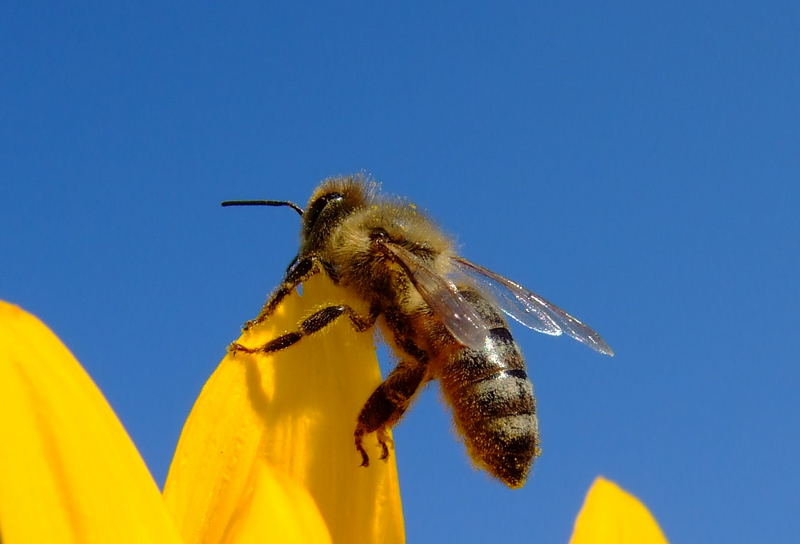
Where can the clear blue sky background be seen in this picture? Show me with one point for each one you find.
(636, 163)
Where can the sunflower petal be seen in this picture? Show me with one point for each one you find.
(610, 515)
(292, 415)
(68, 470)
(276, 507)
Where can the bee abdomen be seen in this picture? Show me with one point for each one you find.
(494, 407)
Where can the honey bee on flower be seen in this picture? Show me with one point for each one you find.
(440, 313)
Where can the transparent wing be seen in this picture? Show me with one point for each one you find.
(530, 309)
(443, 297)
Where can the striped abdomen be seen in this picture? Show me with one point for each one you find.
(492, 399)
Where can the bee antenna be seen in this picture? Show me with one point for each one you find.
(292, 205)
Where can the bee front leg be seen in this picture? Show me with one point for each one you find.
(314, 323)
(298, 272)
(386, 405)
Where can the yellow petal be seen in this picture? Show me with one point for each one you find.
(276, 510)
(612, 516)
(68, 470)
(290, 415)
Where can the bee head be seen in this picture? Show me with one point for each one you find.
(334, 200)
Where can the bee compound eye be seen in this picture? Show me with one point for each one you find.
(316, 208)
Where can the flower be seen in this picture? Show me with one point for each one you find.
(266, 454)
(610, 515)
(68, 470)
(286, 421)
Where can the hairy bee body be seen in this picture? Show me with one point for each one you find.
(492, 398)
(399, 263)
(488, 389)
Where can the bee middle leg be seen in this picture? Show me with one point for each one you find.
(387, 404)
(310, 325)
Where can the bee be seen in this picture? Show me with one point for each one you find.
(440, 313)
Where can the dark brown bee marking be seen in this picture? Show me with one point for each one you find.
(517, 373)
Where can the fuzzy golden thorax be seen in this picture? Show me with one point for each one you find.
(356, 248)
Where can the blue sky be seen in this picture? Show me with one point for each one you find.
(637, 164)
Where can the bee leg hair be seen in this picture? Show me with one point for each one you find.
(386, 405)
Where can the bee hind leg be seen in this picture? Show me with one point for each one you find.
(310, 325)
(385, 441)
(386, 405)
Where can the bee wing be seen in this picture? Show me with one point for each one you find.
(457, 315)
(530, 309)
